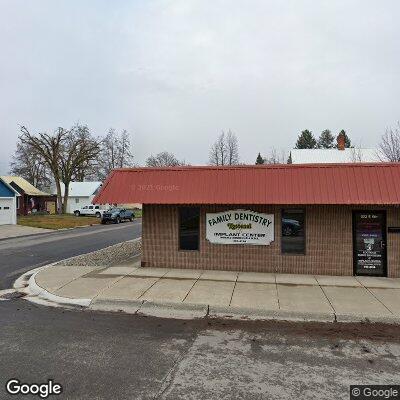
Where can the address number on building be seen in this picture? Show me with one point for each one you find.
(240, 227)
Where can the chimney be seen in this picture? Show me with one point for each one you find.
(341, 141)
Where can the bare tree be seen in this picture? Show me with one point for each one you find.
(65, 152)
(276, 157)
(225, 150)
(88, 168)
(356, 154)
(163, 159)
(49, 147)
(125, 156)
(232, 147)
(389, 147)
(218, 151)
(29, 164)
(116, 152)
(78, 150)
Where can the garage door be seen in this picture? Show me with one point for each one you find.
(6, 211)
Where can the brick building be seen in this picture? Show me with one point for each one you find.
(330, 219)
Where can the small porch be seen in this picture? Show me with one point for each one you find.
(28, 204)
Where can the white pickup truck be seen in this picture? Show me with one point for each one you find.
(94, 210)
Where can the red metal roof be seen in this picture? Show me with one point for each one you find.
(266, 184)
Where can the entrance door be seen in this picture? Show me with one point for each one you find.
(369, 243)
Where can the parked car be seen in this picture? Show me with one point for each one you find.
(117, 215)
(94, 210)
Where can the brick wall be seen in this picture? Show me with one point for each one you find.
(329, 243)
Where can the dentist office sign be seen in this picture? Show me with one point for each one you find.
(240, 227)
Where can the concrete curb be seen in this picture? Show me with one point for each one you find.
(150, 308)
(187, 311)
(44, 294)
(22, 282)
(174, 310)
(26, 283)
(259, 314)
(129, 307)
(392, 320)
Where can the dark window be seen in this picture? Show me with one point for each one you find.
(189, 223)
(6, 208)
(293, 231)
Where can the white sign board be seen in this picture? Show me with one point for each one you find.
(240, 227)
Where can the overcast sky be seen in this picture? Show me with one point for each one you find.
(176, 73)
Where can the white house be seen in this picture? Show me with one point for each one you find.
(8, 203)
(329, 156)
(80, 194)
(341, 154)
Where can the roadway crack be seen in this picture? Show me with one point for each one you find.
(167, 382)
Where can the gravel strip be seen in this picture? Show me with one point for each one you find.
(107, 256)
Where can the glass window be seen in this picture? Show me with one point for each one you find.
(17, 201)
(76, 200)
(189, 227)
(96, 207)
(90, 207)
(293, 231)
(6, 208)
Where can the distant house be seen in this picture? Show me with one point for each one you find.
(8, 203)
(330, 156)
(80, 194)
(336, 155)
(31, 199)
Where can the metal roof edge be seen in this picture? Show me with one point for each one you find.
(103, 186)
(262, 166)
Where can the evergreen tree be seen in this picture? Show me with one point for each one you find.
(326, 140)
(289, 160)
(306, 140)
(259, 159)
(347, 139)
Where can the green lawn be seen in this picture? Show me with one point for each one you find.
(56, 221)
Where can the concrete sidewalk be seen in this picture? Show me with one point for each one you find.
(194, 293)
(12, 231)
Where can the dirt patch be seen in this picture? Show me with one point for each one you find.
(335, 330)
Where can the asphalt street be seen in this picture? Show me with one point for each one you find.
(22, 254)
(115, 356)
